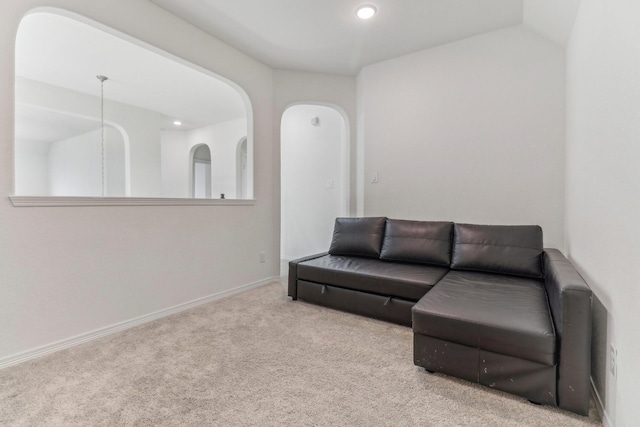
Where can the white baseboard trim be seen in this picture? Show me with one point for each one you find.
(99, 333)
(600, 405)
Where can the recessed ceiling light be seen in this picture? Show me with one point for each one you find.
(177, 122)
(366, 11)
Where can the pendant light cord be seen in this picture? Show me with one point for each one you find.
(102, 79)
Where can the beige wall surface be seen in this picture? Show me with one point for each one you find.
(472, 131)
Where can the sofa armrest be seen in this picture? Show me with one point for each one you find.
(570, 303)
(293, 273)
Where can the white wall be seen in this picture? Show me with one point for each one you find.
(142, 128)
(175, 163)
(114, 162)
(75, 165)
(221, 138)
(551, 18)
(313, 175)
(32, 167)
(472, 131)
(603, 180)
(293, 87)
(68, 271)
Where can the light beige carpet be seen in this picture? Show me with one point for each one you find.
(255, 359)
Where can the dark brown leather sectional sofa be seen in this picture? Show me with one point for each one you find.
(486, 303)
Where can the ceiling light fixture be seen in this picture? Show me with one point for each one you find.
(177, 122)
(366, 12)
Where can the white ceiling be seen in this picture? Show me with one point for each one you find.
(326, 36)
(307, 35)
(67, 53)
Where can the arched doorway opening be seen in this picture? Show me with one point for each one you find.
(200, 163)
(314, 177)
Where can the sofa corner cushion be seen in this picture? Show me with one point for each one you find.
(493, 312)
(424, 242)
(505, 249)
(358, 236)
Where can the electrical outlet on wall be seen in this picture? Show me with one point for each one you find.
(613, 360)
(262, 257)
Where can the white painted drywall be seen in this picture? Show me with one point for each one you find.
(293, 87)
(69, 271)
(114, 162)
(32, 167)
(141, 128)
(471, 131)
(551, 18)
(312, 178)
(221, 138)
(175, 163)
(75, 165)
(603, 180)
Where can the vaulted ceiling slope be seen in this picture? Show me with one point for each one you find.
(67, 53)
(326, 36)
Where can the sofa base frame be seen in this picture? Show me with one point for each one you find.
(531, 380)
(395, 310)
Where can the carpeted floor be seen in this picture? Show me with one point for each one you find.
(255, 359)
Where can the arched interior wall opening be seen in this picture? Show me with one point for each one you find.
(58, 153)
(314, 177)
(57, 55)
(200, 165)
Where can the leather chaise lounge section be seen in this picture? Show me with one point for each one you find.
(486, 303)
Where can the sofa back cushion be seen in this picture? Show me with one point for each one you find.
(358, 236)
(506, 249)
(424, 242)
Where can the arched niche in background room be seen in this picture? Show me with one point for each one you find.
(200, 159)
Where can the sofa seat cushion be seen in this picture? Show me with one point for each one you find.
(407, 281)
(503, 314)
